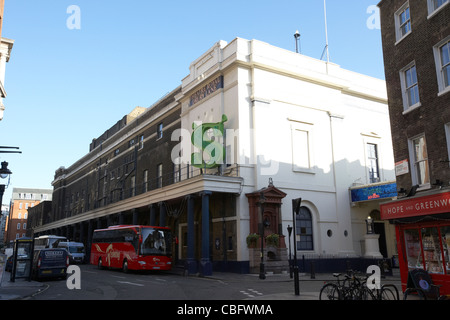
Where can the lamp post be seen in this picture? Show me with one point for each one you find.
(369, 225)
(289, 229)
(295, 211)
(262, 200)
(371, 240)
(4, 173)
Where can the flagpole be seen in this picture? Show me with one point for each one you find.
(326, 32)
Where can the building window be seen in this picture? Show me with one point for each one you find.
(445, 63)
(410, 87)
(18, 226)
(133, 186)
(372, 157)
(442, 60)
(435, 5)
(302, 148)
(402, 22)
(304, 229)
(176, 173)
(25, 226)
(159, 176)
(145, 186)
(159, 131)
(419, 158)
(141, 142)
(447, 134)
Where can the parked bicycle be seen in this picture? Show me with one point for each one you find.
(354, 287)
(348, 288)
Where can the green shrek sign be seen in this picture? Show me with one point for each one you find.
(206, 138)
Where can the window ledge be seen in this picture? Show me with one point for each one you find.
(435, 12)
(401, 39)
(446, 90)
(412, 108)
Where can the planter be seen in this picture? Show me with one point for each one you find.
(252, 240)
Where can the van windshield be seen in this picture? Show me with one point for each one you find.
(78, 249)
(156, 242)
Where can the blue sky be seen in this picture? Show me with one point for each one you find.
(67, 86)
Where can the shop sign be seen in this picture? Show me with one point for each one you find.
(381, 191)
(434, 204)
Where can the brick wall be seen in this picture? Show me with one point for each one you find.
(430, 118)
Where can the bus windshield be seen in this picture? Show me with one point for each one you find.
(156, 242)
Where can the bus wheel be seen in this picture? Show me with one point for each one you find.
(100, 265)
(125, 266)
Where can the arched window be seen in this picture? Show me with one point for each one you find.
(304, 229)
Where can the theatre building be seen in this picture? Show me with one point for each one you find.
(220, 159)
(416, 47)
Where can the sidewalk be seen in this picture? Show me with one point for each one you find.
(19, 289)
(309, 289)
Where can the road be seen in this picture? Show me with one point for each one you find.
(115, 285)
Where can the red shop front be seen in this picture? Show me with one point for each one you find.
(422, 225)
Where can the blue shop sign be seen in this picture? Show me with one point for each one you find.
(375, 192)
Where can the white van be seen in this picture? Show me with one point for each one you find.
(75, 249)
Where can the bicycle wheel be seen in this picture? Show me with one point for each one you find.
(389, 292)
(330, 291)
(366, 294)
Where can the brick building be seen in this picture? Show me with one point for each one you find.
(416, 48)
(23, 199)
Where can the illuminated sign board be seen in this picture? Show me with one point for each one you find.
(376, 192)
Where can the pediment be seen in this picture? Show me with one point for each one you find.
(271, 194)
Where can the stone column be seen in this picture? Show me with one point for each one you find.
(205, 262)
(191, 264)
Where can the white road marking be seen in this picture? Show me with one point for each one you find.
(131, 283)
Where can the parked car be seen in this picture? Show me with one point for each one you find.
(50, 263)
(75, 250)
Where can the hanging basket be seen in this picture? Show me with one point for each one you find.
(252, 240)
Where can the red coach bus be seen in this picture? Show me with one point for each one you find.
(132, 247)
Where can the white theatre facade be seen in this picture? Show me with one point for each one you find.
(293, 127)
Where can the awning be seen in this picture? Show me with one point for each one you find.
(420, 205)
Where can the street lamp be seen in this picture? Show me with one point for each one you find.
(262, 200)
(289, 229)
(4, 173)
(369, 225)
(295, 211)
